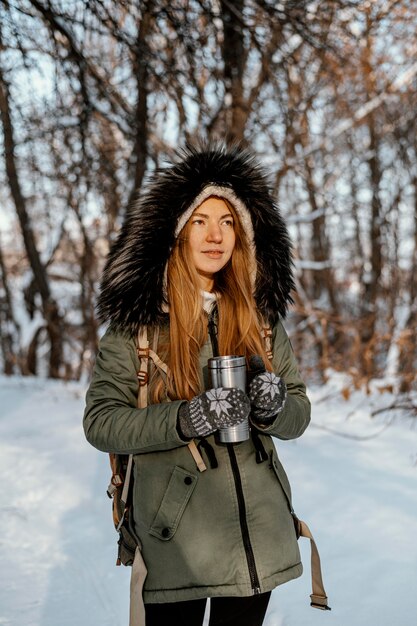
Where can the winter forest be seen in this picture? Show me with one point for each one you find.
(95, 94)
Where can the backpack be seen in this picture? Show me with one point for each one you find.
(120, 489)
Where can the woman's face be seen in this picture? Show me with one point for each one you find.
(211, 239)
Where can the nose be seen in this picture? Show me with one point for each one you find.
(214, 233)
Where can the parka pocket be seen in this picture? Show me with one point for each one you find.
(180, 487)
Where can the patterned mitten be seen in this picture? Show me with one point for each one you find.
(267, 393)
(211, 410)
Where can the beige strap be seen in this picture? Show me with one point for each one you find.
(318, 597)
(267, 336)
(160, 364)
(201, 466)
(137, 579)
(125, 490)
(155, 339)
(144, 353)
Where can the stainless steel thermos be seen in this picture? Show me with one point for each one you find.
(230, 371)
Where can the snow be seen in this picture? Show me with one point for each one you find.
(354, 481)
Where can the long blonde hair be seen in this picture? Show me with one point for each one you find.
(239, 323)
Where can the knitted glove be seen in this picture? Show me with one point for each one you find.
(267, 393)
(211, 410)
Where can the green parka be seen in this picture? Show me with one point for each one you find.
(227, 531)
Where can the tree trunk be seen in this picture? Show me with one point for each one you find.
(372, 277)
(87, 263)
(233, 51)
(358, 253)
(408, 340)
(9, 328)
(323, 279)
(141, 72)
(49, 307)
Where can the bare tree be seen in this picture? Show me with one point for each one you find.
(315, 89)
(49, 306)
(9, 327)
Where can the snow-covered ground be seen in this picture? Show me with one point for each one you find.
(356, 487)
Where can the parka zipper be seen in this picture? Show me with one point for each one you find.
(243, 521)
(250, 558)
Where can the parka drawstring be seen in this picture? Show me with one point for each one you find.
(261, 454)
(209, 450)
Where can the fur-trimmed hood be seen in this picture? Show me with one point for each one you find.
(132, 289)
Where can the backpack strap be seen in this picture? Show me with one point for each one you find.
(145, 353)
(266, 332)
(142, 401)
(125, 490)
(319, 596)
(143, 376)
(138, 575)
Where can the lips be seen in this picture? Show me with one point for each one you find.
(213, 254)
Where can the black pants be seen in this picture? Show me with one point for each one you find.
(223, 612)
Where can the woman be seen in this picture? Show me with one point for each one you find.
(205, 258)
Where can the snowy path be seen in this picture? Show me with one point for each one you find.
(57, 544)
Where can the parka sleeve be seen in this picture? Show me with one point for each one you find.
(112, 422)
(292, 421)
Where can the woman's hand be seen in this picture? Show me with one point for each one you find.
(267, 394)
(211, 410)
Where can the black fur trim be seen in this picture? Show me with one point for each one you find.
(132, 287)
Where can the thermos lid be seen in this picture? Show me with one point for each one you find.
(226, 362)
